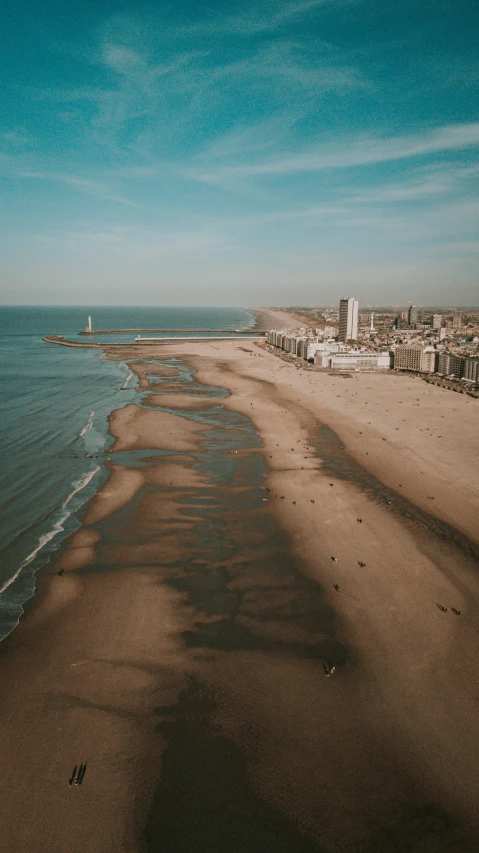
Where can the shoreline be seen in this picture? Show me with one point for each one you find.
(100, 668)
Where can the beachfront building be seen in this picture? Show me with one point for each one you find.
(296, 343)
(287, 341)
(429, 360)
(310, 348)
(407, 357)
(357, 360)
(330, 355)
(301, 344)
(471, 370)
(349, 359)
(417, 358)
(451, 365)
(444, 364)
(458, 366)
(348, 319)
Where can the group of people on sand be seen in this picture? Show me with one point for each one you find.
(77, 777)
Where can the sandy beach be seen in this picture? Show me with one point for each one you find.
(244, 543)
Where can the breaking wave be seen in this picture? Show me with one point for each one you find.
(57, 528)
(126, 382)
(87, 425)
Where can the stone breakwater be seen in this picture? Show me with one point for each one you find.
(161, 331)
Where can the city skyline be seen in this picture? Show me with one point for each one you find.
(188, 156)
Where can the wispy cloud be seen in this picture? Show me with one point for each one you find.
(289, 63)
(77, 182)
(142, 86)
(258, 18)
(15, 139)
(156, 96)
(291, 106)
(358, 153)
(142, 245)
(422, 184)
(385, 211)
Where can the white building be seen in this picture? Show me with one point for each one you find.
(352, 360)
(348, 319)
(330, 332)
(429, 360)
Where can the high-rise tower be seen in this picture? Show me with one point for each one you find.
(412, 315)
(348, 319)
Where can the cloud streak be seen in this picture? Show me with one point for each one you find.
(343, 156)
(142, 245)
(260, 19)
(77, 182)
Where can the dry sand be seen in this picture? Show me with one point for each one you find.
(416, 437)
(182, 651)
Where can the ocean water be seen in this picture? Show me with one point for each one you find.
(54, 405)
(183, 319)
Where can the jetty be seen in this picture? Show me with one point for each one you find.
(231, 332)
(205, 337)
(63, 341)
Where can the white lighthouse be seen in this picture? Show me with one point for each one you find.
(88, 328)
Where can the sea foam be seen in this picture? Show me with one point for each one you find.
(126, 382)
(88, 425)
(57, 528)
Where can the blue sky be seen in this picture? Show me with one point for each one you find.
(275, 152)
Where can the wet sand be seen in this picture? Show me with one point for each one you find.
(182, 651)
